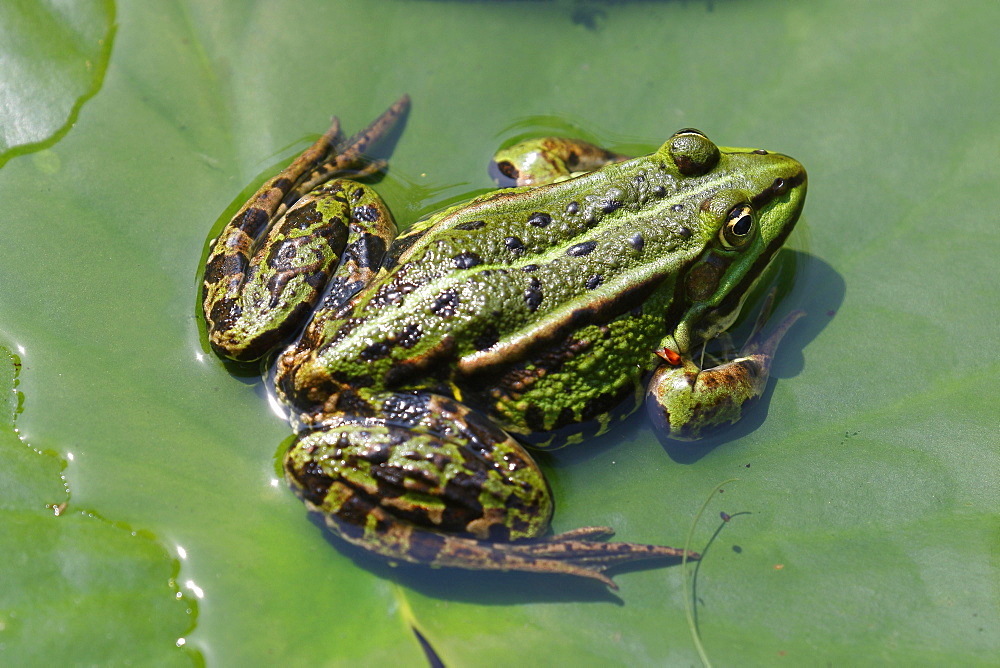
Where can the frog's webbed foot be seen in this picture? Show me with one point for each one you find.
(687, 400)
(583, 553)
(436, 484)
(548, 159)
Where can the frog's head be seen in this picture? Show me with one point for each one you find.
(752, 199)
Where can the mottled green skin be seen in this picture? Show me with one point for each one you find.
(541, 308)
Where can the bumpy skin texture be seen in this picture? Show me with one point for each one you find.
(539, 307)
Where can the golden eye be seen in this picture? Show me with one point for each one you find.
(738, 227)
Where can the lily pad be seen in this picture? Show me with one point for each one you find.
(76, 589)
(864, 523)
(54, 55)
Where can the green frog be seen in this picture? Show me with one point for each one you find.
(416, 367)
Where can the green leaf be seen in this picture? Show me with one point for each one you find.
(54, 54)
(865, 521)
(74, 588)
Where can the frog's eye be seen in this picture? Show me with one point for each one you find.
(738, 227)
(693, 153)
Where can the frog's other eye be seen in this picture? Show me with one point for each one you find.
(693, 153)
(504, 173)
(738, 227)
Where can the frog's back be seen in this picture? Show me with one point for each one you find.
(493, 282)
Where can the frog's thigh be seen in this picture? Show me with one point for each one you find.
(377, 484)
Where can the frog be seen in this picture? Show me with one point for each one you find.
(419, 369)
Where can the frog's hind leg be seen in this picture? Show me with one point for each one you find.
(439, 485)
(272, 262)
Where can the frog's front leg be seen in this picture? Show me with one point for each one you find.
(547, 160)
(431, 482)
(685, 400)
(272, 262)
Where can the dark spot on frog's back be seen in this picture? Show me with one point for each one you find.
(471, 225)
(283, 257)
(594, 282)
(446, 304)
(487, 435)
(350, 403)
(611, 206)
(378, 453)
(443, 404)
(393, 292)
(462, 493)
(514, 244)
(225, 312)
(409, 336)
(406, 410)
(353, 514)
(395, 481)
(539, 219)
(581, 249)
(467, 260)
(637, 241)
(533, 294)
(566, 416)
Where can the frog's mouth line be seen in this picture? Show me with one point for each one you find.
(734, 297)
